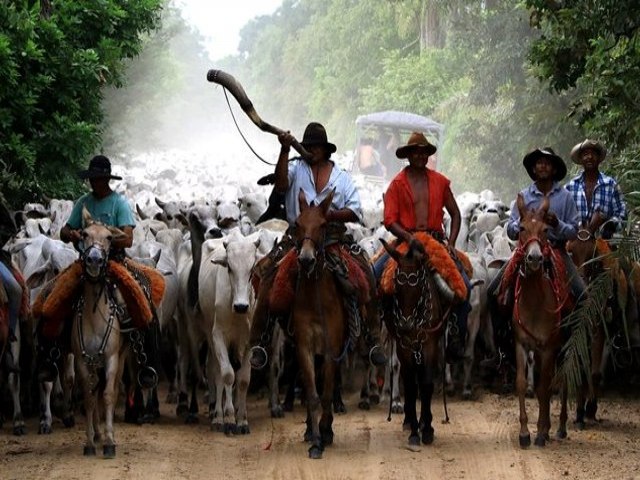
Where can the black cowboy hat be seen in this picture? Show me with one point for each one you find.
(314, 135)
(416, 141)
(597, 147)
(99, 167)
(530, 158)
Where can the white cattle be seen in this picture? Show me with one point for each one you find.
(253, 205)
(225, 298)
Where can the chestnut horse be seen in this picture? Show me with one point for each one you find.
(318, 323)
(414, 318)
(96, 341)
(536, 319)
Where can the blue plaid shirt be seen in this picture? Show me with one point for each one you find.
(606, 199)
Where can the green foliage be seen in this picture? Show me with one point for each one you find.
(54, 66)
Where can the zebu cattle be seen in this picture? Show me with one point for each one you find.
(467, 203)
(253, 205)
(60, 213)
(172, 213)
(225, 298)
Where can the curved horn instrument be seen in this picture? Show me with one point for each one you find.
(234, 87)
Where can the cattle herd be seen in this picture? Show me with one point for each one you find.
(188, 221)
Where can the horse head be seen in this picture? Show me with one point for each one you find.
(310, 230)
(96, 240)
(533, 233)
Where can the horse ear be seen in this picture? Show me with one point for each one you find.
(521, 205)
(390, 250)
(87, 219)
(117, 233)
(302, 200)
(545, 205)
(326, 203)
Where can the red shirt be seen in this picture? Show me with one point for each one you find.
(399, 202)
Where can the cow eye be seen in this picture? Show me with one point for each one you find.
(169, 217)
(249, 205)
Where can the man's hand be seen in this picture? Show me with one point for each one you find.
(75, 236)
(550, 218)
(286, 139)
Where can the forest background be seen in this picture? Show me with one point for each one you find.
(502, 76)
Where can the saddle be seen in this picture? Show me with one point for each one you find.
(438, 259)
(350, 278)
(141, 287)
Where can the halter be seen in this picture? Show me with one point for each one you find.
(104, 261)
(420, 318)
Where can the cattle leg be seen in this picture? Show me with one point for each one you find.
(521, 388)
(276, 368)
(243, 378)
(473, 327)
(45, 407)
(227, 377)
(14, 387)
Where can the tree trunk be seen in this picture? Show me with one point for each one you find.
(431, 32)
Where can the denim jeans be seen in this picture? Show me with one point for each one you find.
(14, 292)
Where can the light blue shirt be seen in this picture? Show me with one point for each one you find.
(560, 202)
(113, 210)
(301, 178)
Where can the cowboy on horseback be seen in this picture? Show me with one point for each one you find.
(316, 177)
(413, 203)
(8, 280)
(546, 169)
(596, 194)
(109, 208)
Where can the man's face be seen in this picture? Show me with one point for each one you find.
(544, 169)
(589, 158)
(98, 184)
(418, 157)
(318, 153)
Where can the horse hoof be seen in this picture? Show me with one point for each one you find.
(229, 428)
(466, 395)
(108, 451)
(580, 425)
(315, 452)
(44, 429)
(216, 427)
(287, 406)
(525, 440)
(406, 426)
(364, 405)
(69, 421)
(308, 436)
(89, 451)
(540, 441)
(277, 412)
(529, 393)
(414, 440)
(191, 419)
(397, 408)
(19, 430)
(590, 409)
(561, 434)
(327, 438)
(340, 408)
(450, 390)
(374, 399)
(427, 436)
(242, 430)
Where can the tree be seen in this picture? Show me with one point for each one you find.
(55, 60)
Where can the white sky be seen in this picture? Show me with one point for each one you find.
(220, 21)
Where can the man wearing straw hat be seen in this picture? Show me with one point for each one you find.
(598, 196)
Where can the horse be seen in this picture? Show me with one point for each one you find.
(414, 317)
(318, 322)
(586, 256)
(536, 319)
(96, 341)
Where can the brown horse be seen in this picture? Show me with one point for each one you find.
(414, 317)
(536, 320)
(318, 322)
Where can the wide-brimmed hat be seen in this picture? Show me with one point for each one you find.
(595, 145)
(99, 167)
(417, 141)
(529, 161)
(315, 135)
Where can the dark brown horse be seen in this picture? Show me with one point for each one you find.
(536, 319)
(319, 323)
(414, 317)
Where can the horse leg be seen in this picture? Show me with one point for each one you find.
(314, 409)
(45, 407)
(410, 397)
(531, 365)
(396, 400)
(338, 403)
(521, 387)
(331, 372)
(449, 386)
(562, 427)
(365, 391)
(243, 378)
(14, 387)
(184, 356)
(89, 408)
(473, 327)
(426, 392)
(276, 369)
(68, 381)
(110, 396)
(597, 348)
(546, 362)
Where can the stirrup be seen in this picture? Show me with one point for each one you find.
(258, 357)
(377, 357)
(147, 377)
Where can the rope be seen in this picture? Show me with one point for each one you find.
(240, 131)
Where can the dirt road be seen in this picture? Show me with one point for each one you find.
(480, 442)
